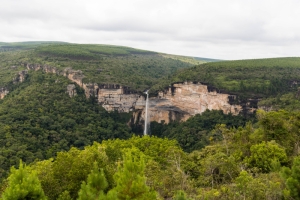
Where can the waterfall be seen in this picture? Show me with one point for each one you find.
(146, 115)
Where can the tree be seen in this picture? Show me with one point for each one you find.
(94, 188)
(181, 195)
(130, 178)
(292, 177)
(23, 184)
(264, 155)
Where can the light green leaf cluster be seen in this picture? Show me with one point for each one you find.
(263, 155)
(292, 177)
(23, 185)
(130, 179)
(95, 186)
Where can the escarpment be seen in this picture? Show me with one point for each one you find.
(179, 102)
(113, 97)
(184, 100)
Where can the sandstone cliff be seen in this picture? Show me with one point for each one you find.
(71, 90)
(182, 101)
(110, 96)
(179, 102)
(3, 92)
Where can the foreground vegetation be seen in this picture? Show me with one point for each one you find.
(253, 162)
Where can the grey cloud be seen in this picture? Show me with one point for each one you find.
(218, 29)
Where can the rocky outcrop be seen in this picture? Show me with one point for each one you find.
(111, 96)
(266, 108)
(21, 76)
(71, 90)
(3, 92)
(45, 68)
(116, 97)
(179, 102)
(182, 101)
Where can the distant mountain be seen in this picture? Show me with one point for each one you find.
(207, 59)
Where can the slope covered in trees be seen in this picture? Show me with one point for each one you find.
(38, 119)
(213, 156)
(246, 78)
(138, 69)
(258, 161)
(195, 133)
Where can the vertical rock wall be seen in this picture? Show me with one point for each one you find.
(182, 101)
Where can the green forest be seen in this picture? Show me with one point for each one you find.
(260, 78)
(53, 146)
(257, 161)
(104, 64)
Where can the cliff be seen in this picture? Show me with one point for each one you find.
(184, 100)
(3, 92)
(179, 102)
(110, 96)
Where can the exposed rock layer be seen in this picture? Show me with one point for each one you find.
(179, 102)
(184, 100)
(71, 90)
(3, 92)
(110, 96)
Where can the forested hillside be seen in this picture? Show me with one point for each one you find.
(259, 161)
(246, 78)
(69, 147)
(138, 69)
(39, 119)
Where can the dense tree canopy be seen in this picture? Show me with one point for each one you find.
(38, 119)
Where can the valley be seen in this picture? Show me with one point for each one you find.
(216, 129)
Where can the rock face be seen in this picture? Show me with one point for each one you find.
(71, 90)
(111, 96)
(116, 97)
(3, 92)
(21, 76)
(182, 101)
(179, 102)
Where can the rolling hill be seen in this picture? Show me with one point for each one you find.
(257, 78)
(106, 64)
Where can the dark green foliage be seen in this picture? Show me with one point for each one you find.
(292, 177)
(154, 168)
(144, 159)
(103, 64)
(247, 78)
(180, 195)
(23, 184)
(288, 102)
(194, 133)
(130, 179)
(87, 51)
(64, 196)
(282, 127)
(16, 46)
(38, 119)
(94, 188)
(264, 154)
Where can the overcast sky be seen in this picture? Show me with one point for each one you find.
(223, 29)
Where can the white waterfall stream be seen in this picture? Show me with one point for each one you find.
(147, 125)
